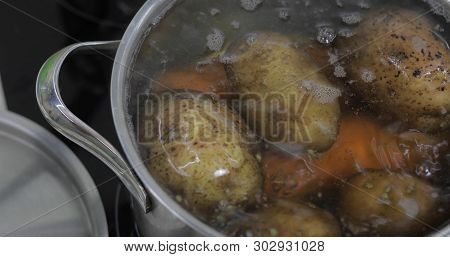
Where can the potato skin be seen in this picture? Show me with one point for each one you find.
(273, 69)
(407, 67)
(286, 219)
(387, 204)
(201, 154)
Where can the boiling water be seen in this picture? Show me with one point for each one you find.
(199, 32)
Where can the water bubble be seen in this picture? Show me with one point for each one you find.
(364, 4)
(251, 39)
(214, 11)
(339, 71)
(322, 93)
(215, 40)
(283, 14)
(409, 206)
(351, 18)
(326, 35)
(235, 24)
(367, 75)
(250, 5)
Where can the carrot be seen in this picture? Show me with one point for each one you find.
(210, 78)
(361, 144)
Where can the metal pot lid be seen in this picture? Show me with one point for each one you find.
(44, 189)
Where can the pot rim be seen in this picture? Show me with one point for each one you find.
(148, 16)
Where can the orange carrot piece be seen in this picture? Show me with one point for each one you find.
(361, 143)
(209, 78)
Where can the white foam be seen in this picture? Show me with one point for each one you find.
(250, 5)
(351, 17)
(339, 71)
(322, 93)
(251, 38)
(367, 76)
(326, 35)
(215, 40)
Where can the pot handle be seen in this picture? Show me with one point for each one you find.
(65, 122)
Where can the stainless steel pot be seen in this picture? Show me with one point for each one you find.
(156, 212)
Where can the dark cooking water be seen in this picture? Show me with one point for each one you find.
(198, 32)
(181, 37)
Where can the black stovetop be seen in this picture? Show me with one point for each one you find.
(32, 31)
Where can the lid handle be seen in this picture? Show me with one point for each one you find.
(65, 122)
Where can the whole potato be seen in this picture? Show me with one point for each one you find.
(201, 152)
(380, 203)
(283, 96)
(286, 219)
(400, 66)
